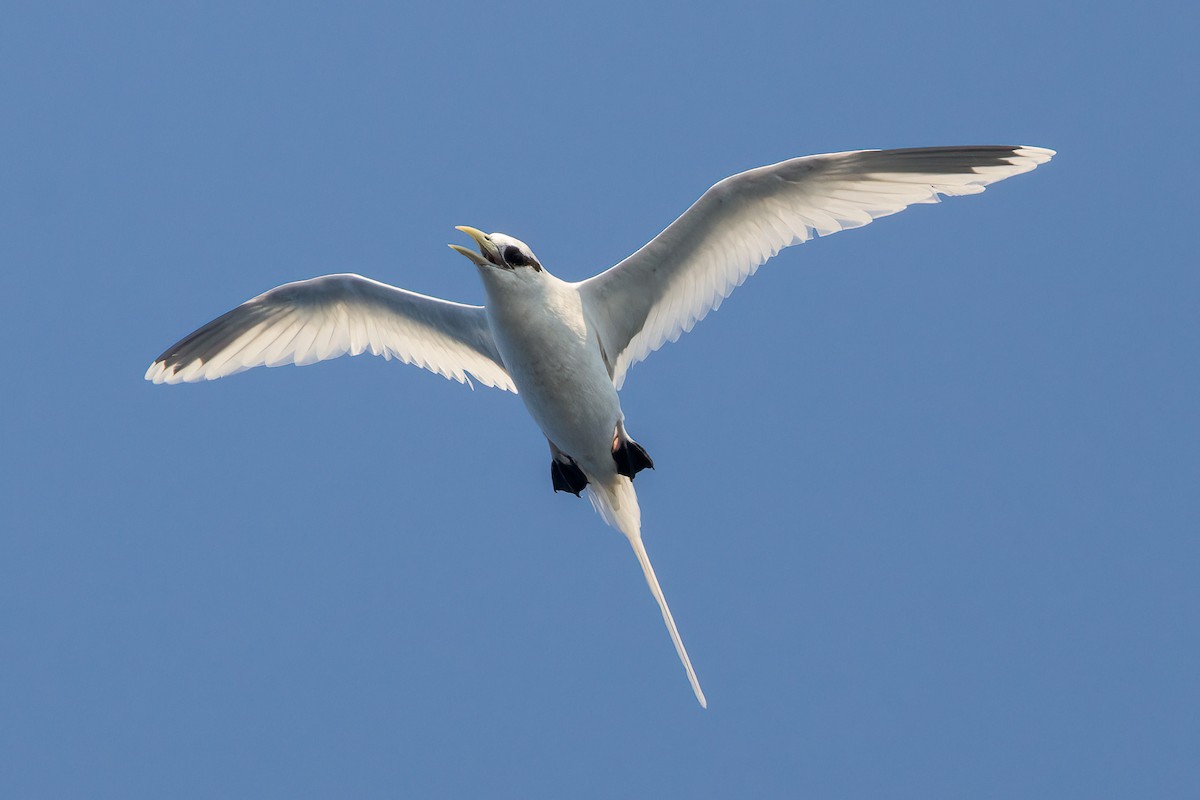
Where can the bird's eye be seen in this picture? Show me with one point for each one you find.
(514, 257)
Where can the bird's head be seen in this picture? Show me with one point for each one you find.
(498, 251)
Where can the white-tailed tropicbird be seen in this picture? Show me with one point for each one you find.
(567, 347)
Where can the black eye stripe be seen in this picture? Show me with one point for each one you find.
(514, 257)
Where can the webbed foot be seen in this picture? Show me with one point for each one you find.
(567, 476)
(631, 457)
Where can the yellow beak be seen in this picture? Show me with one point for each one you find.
(485, 246)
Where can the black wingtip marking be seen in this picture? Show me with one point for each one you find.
(944, 160)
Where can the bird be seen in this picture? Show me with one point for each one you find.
(566, 348)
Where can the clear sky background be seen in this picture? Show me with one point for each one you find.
(926, 499)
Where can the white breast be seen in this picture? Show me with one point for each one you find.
(553, 356)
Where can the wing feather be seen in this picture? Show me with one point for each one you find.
(323, 318)
(671, 283)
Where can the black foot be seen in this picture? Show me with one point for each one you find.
(631, 458)
(567, 477)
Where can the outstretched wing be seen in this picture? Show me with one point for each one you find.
(669, 285)
(315, 320)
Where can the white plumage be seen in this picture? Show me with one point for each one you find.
(567, 347)
(665, 288)
(315, 320)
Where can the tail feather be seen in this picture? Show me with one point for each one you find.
(616, 502)
(656, 590)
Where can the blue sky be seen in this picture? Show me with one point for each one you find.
(925, 503)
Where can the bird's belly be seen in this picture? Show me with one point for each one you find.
(565, 385)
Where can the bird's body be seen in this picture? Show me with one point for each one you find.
(566, 348)
(553, 354)
(551, 349)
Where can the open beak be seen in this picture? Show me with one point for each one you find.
(487, 251)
